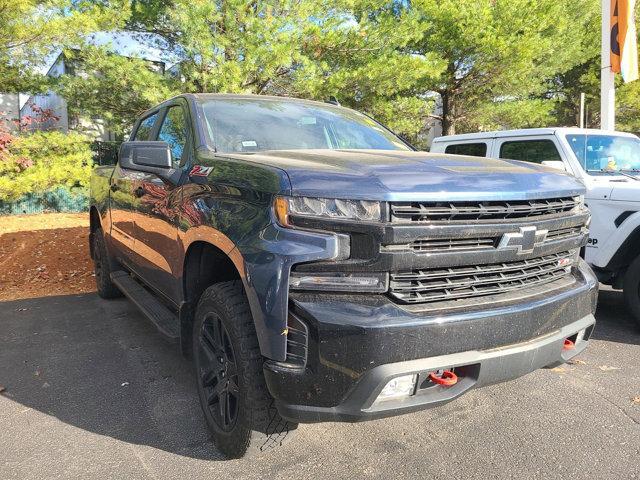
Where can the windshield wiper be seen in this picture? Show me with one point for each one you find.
(621, 172)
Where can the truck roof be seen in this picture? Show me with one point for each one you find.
(200, 97)
(529, 132)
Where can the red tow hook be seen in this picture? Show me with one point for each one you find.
(447, 379)
(568, 344)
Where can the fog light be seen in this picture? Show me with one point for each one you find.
(397, 388)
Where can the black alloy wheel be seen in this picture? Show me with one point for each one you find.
(219, 372)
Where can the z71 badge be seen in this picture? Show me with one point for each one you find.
(200, 171)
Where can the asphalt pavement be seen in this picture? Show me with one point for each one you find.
(93, 391)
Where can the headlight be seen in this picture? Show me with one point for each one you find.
(329, 208)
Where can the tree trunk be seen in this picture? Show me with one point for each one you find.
(448, 114)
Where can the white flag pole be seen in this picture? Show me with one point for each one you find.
(607, 85)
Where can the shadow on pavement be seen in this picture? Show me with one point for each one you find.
(100, 366)
(614, 322)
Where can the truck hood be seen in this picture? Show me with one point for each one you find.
(413, 176)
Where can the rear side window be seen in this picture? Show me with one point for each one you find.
(473, 149)
(146, 126)
(534, 151)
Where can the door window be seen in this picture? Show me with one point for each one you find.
(174, 132)
(535, 151)
(146, 127)
(473, 149)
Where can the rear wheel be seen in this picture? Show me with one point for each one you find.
(632, 289)
(233, 394)
(102, 267)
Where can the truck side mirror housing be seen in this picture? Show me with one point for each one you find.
(148, 156)
(557, 164)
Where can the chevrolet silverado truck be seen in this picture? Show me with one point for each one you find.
(318, 268)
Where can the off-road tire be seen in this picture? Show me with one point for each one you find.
(632, 289)
(258, 426)
(102, 268)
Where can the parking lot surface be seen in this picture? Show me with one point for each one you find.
(91, 390)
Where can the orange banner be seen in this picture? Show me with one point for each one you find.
(619, 26)
(624, 42)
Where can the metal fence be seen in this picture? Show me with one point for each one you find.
(62, 199)
(56, 200)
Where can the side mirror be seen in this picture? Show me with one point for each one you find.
(151, 157)
(557, 164)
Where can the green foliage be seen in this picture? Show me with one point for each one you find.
(585, 78)
(231, 46)
(496, 51)
(508, 114)
(628, 107)
(359, 54)
(494, 63)
(114, 88)
(32, 29)
(44, 162)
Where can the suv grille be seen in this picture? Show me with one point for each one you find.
(490, 210)
(432, 285)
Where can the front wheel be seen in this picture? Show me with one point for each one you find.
(233, 394)
(632, 289)
(102, 267)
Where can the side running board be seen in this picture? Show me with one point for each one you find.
(163, 318)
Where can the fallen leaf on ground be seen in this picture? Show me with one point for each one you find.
(577, 362)
(607, 368)
(559, 370)
(635, 400)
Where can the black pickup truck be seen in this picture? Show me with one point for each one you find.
(318, 268)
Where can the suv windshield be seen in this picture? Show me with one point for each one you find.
(248, 125)
(609, 153)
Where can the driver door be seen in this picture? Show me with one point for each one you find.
(156, 211)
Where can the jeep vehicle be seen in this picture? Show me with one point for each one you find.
(608, 163)
(317, 268)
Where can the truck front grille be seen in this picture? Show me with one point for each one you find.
(489, 210)
(449, 244)
(441, 284)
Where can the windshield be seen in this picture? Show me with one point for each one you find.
(253, 125)
(608, 153)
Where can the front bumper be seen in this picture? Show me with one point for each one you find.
(357, 343)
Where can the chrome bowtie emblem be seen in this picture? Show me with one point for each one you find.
(525, 240)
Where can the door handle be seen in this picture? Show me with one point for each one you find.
(139, 192)
(114, 187)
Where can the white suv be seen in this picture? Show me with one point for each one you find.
(609, 165)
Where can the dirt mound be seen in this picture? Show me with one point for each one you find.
(44, 255)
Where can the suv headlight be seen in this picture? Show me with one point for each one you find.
(326, 208)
